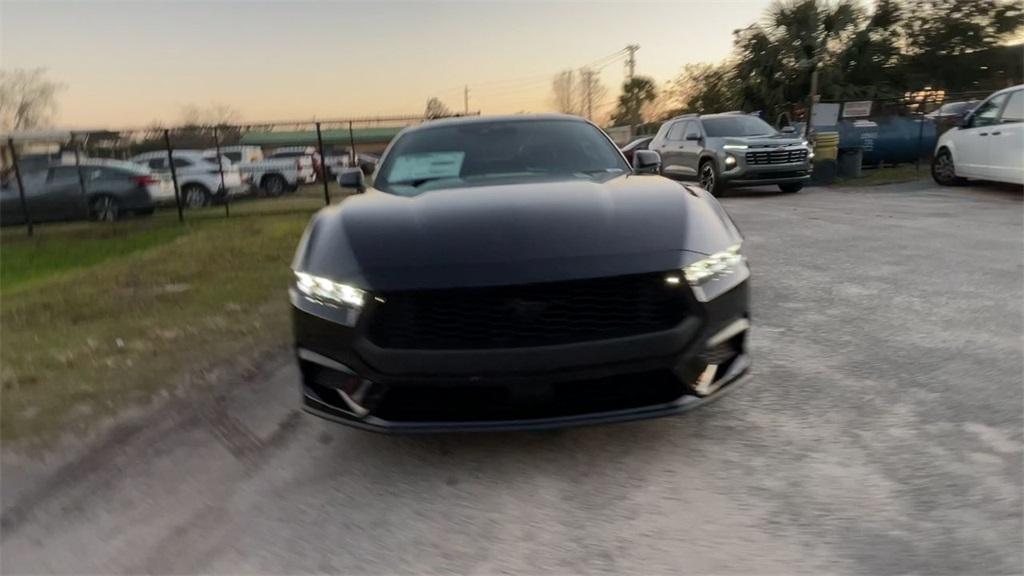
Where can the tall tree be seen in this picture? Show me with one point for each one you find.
(777, 60)
(870, 65)
(436, 108)
(28, 99)
(707, 88)
(946, 37)
(636, 94)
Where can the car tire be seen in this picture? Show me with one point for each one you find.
(104, 208)
(708, 177)
(944, 171)
(791, 188)
(195, 196)
(274, 185)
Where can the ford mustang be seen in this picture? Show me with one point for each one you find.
(517, 272)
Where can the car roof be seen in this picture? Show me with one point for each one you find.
(182, 153)
(1005, 90)
(462, 120)
(106, 163)
(732, 114)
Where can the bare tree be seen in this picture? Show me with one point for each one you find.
(663, 105)
(28, 99)
(563, 93)
(436, 108)
(213, 114)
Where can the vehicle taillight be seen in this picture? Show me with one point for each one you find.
(146, 180)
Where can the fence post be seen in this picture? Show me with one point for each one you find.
(174, 174)
(220, 167)
(21, 185)
(81, 177)
(323, 164)
(352, 145)
(920, 133)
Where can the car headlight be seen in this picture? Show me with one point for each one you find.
(329, 291)
(714, 266)
(730, 161)
(714, 275)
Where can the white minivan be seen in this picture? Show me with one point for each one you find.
(989, 145)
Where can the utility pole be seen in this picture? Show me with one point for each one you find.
(631, 61)
(811, 100)
(587, 76)
(465, 100)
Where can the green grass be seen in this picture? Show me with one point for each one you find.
(887, 175)
(41, 257)
(96, 317)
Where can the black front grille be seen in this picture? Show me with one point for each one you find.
(775, 156)
(527, 315)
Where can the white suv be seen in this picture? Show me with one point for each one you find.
(989, 145)
(199, 179)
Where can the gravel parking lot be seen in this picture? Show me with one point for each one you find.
(880, 432)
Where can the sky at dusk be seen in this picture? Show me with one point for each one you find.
(135, 63)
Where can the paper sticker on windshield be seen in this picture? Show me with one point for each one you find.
(410, 167)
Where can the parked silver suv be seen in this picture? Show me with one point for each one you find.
(732, 149)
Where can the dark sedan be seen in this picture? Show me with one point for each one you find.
(112, 189)
(517, 272)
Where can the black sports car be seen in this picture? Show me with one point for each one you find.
(517, 272)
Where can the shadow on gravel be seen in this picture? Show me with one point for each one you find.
(755, 193)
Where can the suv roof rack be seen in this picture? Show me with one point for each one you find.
(691, 115)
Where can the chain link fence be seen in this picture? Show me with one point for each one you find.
(188, 172)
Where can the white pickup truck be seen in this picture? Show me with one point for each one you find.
(273, 176)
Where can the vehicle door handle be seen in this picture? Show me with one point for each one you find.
(996, 133)
(983, 134)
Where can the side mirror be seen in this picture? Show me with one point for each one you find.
(693, 136)
(646, 162)
(352, 178)
(788, 130)
(966, 122)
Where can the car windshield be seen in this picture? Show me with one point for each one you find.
(475, 153)
(956, 108)
(737, 126)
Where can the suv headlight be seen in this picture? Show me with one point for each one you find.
(714, 275)
(328, 291)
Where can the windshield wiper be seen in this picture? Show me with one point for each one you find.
(421, 181)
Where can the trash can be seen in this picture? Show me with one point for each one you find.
(850, 160)
(826, 145)
(824, 172)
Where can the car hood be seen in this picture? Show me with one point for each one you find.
(514, 233)
(772, 141)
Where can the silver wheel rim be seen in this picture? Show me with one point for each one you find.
(194, 197)
(944, 168)
(104, 209)
(707, 177)
(274, 186)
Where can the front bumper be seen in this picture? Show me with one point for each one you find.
(745, 174)
(349, 380)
